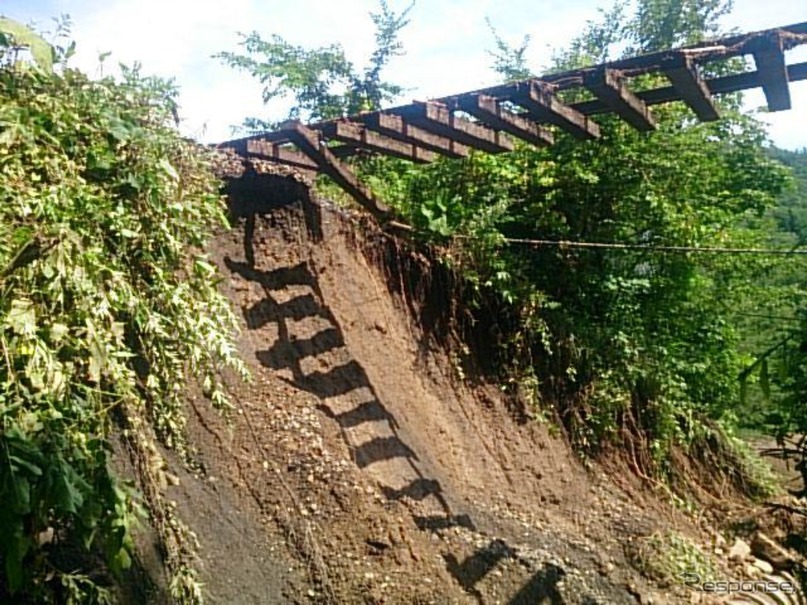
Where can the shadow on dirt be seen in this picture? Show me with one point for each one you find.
(473, 570)
(346, 392)
(541, 589)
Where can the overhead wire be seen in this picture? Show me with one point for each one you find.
(654, 248)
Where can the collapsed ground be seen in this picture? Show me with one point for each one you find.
(365, 463)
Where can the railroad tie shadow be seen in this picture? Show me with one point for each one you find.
(542, 589)
(347, 379)
(382, 448)
(268, 310)
(473, 570)
(369, 411)
(338, 380)
(277, 355)
(420, 489)
(437, 522)
(276, 279)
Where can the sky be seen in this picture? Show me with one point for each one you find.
(446, 43)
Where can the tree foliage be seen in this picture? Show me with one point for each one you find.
(107, 304)
(510, 62)
(322, 81)
(772, 324)
(15, 37)
(661, 24)
(641, 342)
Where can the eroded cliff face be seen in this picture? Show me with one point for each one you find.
(361, 464)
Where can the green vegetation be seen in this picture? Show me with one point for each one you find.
(774, 381)
(107, 304)
(666, 556)
(322, 81)
(622, 346)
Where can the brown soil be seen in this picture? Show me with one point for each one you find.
(361, 466)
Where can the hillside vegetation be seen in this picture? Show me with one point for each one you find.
(106, 304)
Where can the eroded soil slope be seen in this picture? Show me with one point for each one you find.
(360, 465)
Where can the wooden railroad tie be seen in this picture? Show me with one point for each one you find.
(489, 120)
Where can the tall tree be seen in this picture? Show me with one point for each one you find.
(322, 81)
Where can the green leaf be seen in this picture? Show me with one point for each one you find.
(36, 377)
(24, 464)
(21, 317)
(120, 130)
(41, 51)
(16, 549)
(120, 561)
(58, 331)
(764, 379)
(169, 169)
(69, 488)
(21, 495)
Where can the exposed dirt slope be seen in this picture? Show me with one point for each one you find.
(360, 467)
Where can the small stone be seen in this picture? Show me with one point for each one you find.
(739, 551)
(763, 566)
(766, 548)
(311, 593)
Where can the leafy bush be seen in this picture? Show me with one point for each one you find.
(664, 557)
(106, 305)
(622, 343)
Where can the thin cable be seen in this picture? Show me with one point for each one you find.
(771, 317)
(683, 249)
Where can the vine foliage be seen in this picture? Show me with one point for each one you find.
(106, 306)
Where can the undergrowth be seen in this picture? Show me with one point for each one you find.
(106, 306)
(665, 557)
